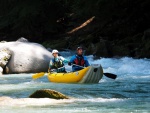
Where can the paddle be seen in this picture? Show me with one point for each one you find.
(41, 74)
(38, 75)
(109, 75)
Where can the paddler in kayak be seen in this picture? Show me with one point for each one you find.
(78, 61)
(57, 63)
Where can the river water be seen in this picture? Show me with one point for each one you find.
(129, 93)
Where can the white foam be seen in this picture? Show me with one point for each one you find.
(123, 65)
(102, 100)
(7, 101)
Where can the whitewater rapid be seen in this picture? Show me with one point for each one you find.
(128, 93)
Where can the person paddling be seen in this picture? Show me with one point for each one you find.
(78, 61)
(57, 63)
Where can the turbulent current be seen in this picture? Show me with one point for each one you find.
(129, 93)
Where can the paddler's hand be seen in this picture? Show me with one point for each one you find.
(69, 63)
(49, 71)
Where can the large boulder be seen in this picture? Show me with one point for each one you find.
(27, 57)
(48, 93)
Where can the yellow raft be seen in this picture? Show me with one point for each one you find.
(91, 74)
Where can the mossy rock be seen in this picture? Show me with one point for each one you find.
(5, 55)
(48, 93)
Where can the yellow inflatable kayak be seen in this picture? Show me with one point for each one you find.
(91, 74)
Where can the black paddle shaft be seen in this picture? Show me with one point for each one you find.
(110, 75)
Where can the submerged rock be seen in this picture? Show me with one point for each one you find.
(27, 57)
(48, 93)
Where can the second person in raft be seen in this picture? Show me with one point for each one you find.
(57, 63)
(78, 61)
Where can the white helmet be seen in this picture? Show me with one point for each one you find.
(54, 51)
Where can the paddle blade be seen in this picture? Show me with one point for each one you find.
(38, 75)
(110, 75)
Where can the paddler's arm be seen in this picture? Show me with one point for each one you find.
(64, 60)
(86, 62)
(71, 60)
(50, 65)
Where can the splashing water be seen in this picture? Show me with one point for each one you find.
(129, 93)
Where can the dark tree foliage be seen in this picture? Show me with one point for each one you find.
(121, 17)
(44, 19)
(31, 18)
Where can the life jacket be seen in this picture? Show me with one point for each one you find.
(57, 64)
(79, 61)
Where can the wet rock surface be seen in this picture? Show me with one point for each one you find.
(5, 55)
(48, 93)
